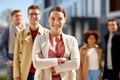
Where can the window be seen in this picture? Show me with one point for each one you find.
(114, 5)
(47, 3)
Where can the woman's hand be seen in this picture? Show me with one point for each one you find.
(62, 60)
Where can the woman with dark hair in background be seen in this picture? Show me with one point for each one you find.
(90, 57)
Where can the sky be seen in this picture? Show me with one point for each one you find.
(16, 4)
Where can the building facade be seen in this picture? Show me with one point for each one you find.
(82, 15)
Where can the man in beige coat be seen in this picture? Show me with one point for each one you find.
(23, 67)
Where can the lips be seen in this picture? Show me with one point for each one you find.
(56, 26)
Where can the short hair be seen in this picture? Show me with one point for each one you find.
(112, 19)
(89, 33)
(14, 12)
(33, 7)
(59, 9)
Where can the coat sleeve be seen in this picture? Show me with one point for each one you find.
(74, 62)
(79, 71)
(3, 42)
(41, 62)
(44, 63)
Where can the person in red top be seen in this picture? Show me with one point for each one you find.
(23, 66)
(55, 54)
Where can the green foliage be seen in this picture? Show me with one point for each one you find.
(3, 77)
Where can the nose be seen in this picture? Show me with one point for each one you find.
(34, 15)
(56, 22)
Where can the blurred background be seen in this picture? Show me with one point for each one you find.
(82, 15)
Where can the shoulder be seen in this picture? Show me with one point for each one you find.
(117, 34)
(5, 31)
(45, 30)
(99, 50)
(69, 37)
(84, 47)
(106, 35)
(42, 29)
(42, 37)
(83, 50)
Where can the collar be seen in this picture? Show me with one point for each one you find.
(40, 30)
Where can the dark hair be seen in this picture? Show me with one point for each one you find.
(91, 32)
(33, 7)
(59, 9)
(14, 12)
(113, 20)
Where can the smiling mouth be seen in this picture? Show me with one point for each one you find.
(54, 26)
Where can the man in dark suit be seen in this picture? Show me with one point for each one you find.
(7, 41)
(112, 52)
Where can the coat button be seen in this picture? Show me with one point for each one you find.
(20, 52)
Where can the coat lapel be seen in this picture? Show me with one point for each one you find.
(45, 44)
(28, 37)
(65, 44)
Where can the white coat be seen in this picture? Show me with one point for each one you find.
(67, 70)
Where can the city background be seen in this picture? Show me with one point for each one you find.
(82, 15)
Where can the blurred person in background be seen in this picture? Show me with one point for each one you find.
(112, 52)
(90, 53)
(7, 41)
(23, 65)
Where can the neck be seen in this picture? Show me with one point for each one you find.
(19, 25)
(111, 34)
(91, 45)
(34, 27)
(52, 33)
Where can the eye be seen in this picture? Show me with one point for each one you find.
(18, 16)
(36, 14)
(60, 18)
(52, 18)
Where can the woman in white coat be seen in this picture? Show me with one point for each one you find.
(55, 54)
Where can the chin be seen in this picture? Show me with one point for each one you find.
(34, 23)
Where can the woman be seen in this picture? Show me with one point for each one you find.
(90, 57)
(55, 54)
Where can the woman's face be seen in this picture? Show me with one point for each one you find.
(56, 21)
(91, 39)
